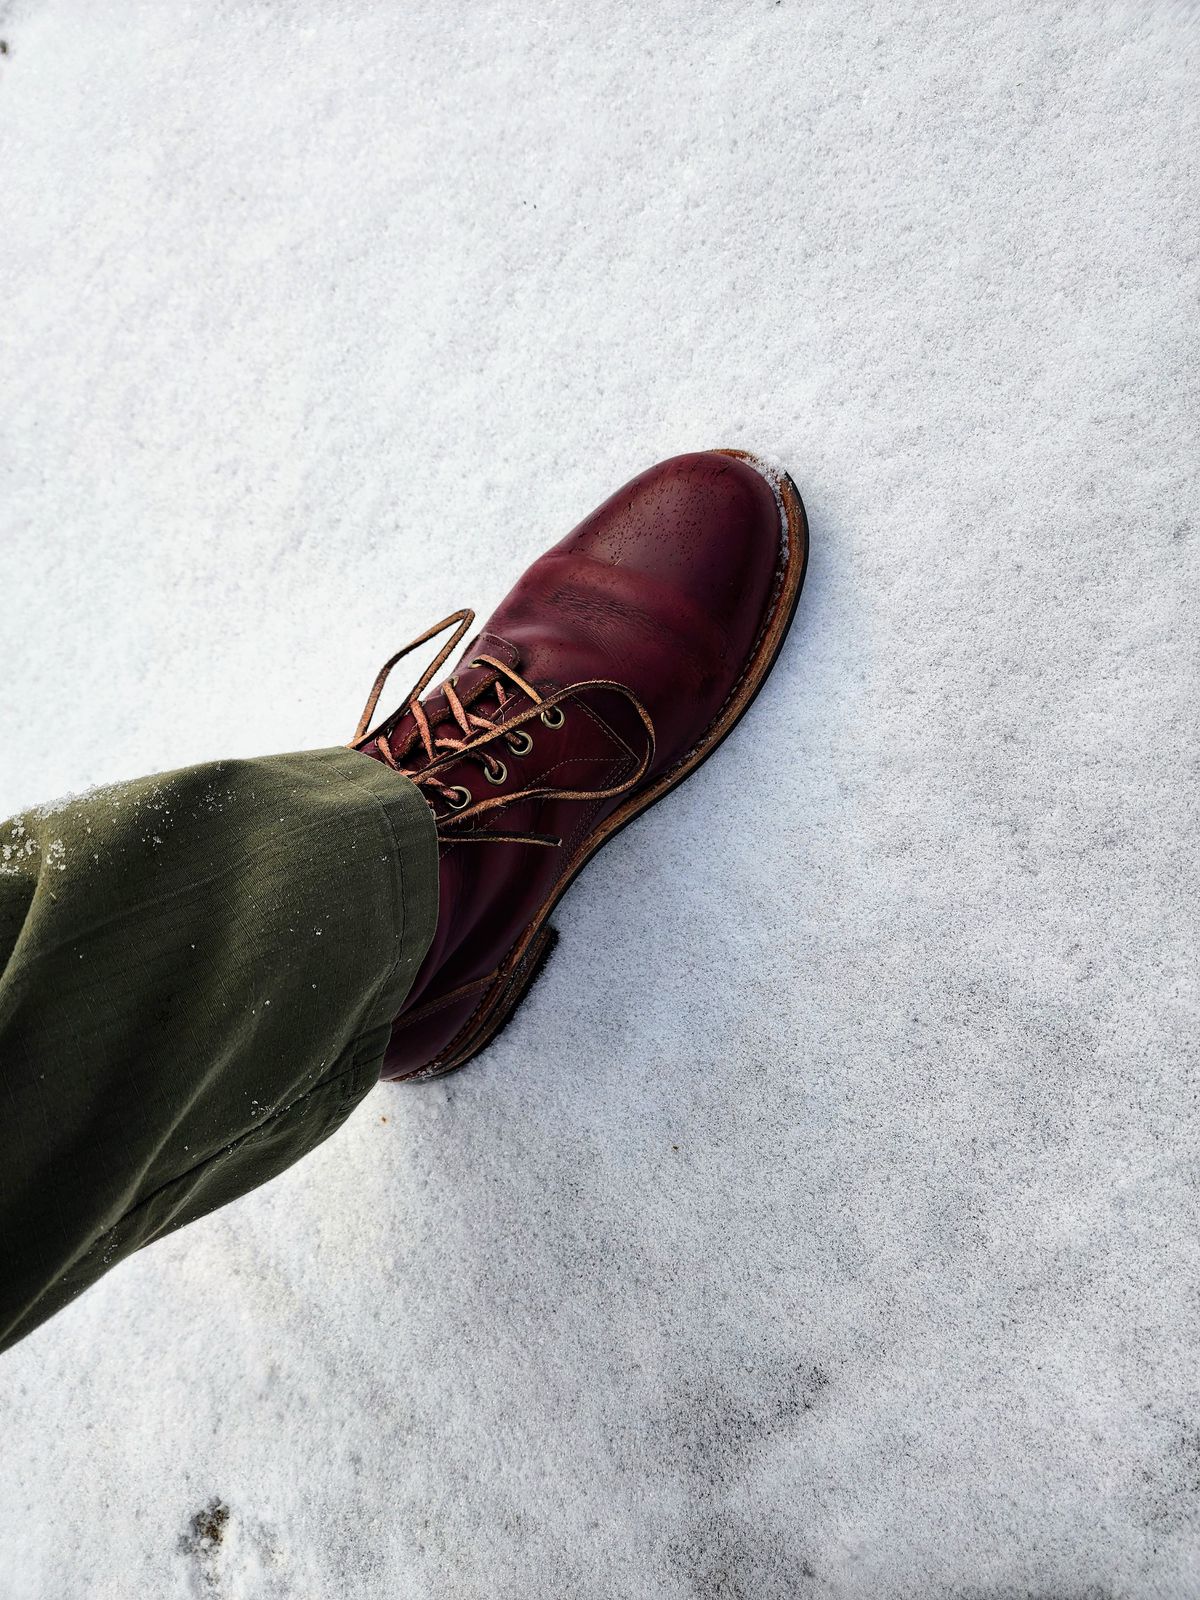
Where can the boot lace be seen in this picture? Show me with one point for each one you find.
(478, 732)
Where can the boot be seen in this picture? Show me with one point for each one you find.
(617, 664)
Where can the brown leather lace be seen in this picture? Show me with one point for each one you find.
(478, 732)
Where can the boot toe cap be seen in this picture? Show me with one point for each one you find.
(706, 524)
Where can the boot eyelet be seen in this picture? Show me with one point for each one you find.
(519, 742)
(553, 716)
(496, 777)
(457, 798)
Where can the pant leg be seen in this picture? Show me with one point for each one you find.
(197, 973)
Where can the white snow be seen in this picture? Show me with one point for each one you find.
(826, 1223)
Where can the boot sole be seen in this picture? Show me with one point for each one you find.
(524, 963)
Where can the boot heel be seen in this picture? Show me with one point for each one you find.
(525, 974)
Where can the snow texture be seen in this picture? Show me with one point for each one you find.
(826, 1223)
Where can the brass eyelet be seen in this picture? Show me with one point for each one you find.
(553, 716)
(475, 663)
(464, 797)
(519, 742)
(491, 777)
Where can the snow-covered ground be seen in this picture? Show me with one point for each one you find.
(827, 1222)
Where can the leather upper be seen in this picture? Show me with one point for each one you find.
(663, 589)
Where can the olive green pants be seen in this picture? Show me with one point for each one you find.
(197, 973)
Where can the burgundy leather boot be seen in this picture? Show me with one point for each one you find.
(619, 661)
